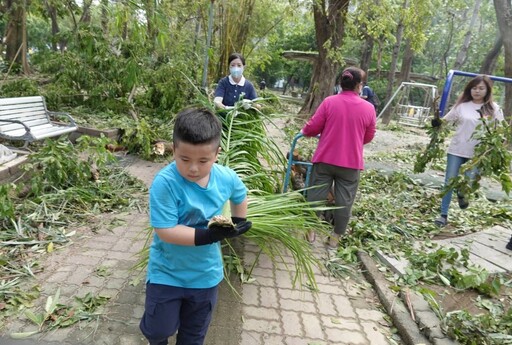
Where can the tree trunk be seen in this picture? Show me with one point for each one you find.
(14, 34)
(366, 54)
(104, 16)
(463, 52)
(3, 12)
(149, 6)
(504, 16)
(386, 117)
(329, 19)
(52, 13)
(124, 31)
(233, 31)
(489, 62)
(380, 52)
(405, 71)
(24, 49)
(86, 12)
(444, 66)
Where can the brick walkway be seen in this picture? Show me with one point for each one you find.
(270, 312)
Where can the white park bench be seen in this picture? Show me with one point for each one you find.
(26, 118)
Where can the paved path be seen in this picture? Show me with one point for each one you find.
(271, 310)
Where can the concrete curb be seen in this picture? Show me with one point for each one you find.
(428, 322)
(407, 328)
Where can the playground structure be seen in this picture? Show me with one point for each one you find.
(411, 103)
(449, 82)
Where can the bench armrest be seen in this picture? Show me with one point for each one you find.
(57, 113)
(16, 121)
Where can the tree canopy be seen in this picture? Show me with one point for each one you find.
(109, 50)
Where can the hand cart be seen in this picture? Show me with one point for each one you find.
(292, 161)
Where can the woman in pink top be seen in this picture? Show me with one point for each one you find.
(345, 122)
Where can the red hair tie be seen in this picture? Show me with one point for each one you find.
(348, 74)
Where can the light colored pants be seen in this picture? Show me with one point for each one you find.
(346, 182)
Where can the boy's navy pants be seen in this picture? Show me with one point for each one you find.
(169, 309)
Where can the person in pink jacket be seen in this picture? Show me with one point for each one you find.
(345, 122)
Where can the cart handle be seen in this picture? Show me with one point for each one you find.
(291, 161)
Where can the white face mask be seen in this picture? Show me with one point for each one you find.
(236, 72)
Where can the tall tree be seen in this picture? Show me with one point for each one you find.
(463, 52)
(104, 16)
(490, 59)
(394, 59)
(54, 10)
(366, 53)
(329, 17)
(149, 7)
(504, 16)
(16, 37)
(408, 56)
(233, 30)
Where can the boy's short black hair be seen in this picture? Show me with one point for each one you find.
(197, 126)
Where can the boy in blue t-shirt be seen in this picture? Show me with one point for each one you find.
(185, 260)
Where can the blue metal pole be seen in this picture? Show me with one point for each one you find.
(446, 92)
(290, 162)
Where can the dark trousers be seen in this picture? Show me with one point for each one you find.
(346, 182)
(169, 309)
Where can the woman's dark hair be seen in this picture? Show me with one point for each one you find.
(236, 56)
(197, 126)
(350, 78)
(487, 107)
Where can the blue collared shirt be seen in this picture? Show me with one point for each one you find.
(230, 91)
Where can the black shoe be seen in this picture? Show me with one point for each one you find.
(463, 202)
(441, 221)
(509, 244)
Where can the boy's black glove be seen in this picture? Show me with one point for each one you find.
(216, 233)
(436, 122)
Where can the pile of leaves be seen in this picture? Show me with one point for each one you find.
(492, 158)
(394, 214)
(434, 151)
(63, 187)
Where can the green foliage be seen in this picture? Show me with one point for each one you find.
(393, 211)
(168, 88)
(6, 202)
(140, 137)
(58, 165)
(56, 315)
(280, 222)
(492, 159)
(13, 297)
(19, 88)
(435, 148)
(269, 98)
(92, 72)
(249, 151)
(447, 266)
(490, 328)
